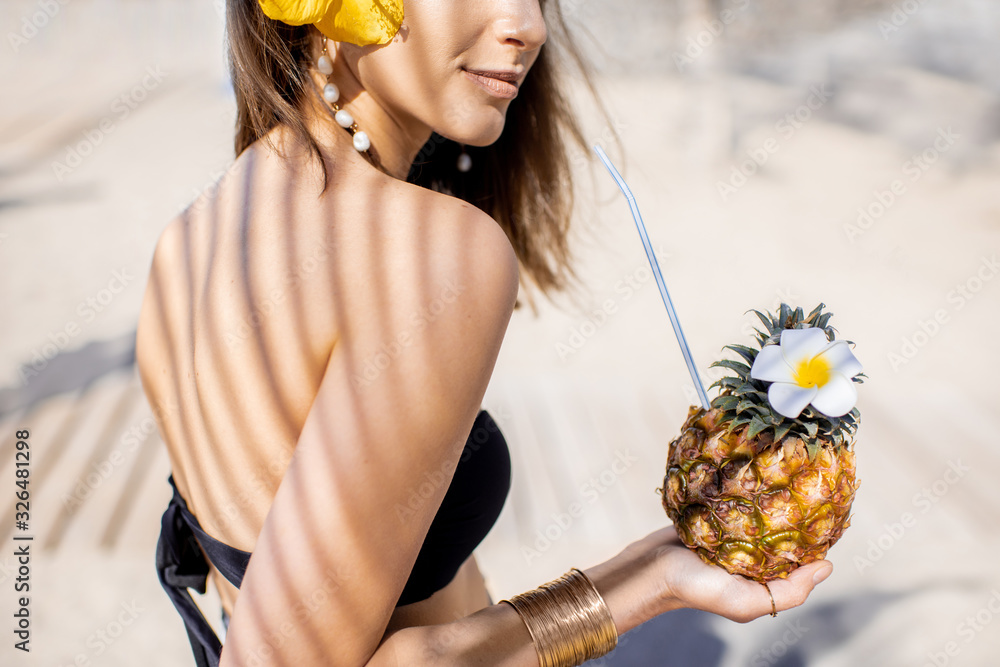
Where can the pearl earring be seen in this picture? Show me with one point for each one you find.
(464, 161)
(331, 94)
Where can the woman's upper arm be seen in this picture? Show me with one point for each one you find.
(426, 315)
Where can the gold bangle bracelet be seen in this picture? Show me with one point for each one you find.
(568, 620)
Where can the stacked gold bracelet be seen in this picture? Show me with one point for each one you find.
(568, 620)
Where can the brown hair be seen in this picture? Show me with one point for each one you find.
(522, 180)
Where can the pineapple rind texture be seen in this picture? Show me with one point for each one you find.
(754, 508)
(754, 492)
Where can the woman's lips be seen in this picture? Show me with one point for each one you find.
(496, 87)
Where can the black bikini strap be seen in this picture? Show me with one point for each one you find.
(180, 565)
(230, 561)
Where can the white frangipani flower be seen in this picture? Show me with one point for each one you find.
(805, 367)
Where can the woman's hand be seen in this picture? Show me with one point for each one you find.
(687, 581)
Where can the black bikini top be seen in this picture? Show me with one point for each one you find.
(468, 511)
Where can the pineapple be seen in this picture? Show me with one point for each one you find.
(754, 491)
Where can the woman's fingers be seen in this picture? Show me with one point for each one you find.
(793, 590)
(749, 600)
(698, 585)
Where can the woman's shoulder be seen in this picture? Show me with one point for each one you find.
(454, 220)
(457, 236)
(265, 201)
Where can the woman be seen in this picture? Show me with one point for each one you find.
(326, 321)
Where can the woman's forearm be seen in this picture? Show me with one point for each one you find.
(497, 636)
(651, 576)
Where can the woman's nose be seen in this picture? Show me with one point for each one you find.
(522, 24)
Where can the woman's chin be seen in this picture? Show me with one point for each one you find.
(480, 139)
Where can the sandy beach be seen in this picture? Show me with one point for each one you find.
(845, 153)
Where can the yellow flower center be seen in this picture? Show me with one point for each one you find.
(813, 372)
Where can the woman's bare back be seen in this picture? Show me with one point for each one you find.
(238, 322)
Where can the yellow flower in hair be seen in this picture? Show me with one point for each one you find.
(360, 22)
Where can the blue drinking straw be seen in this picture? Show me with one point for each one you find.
(685, 350)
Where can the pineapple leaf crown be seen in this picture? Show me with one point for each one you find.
(743, 400)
